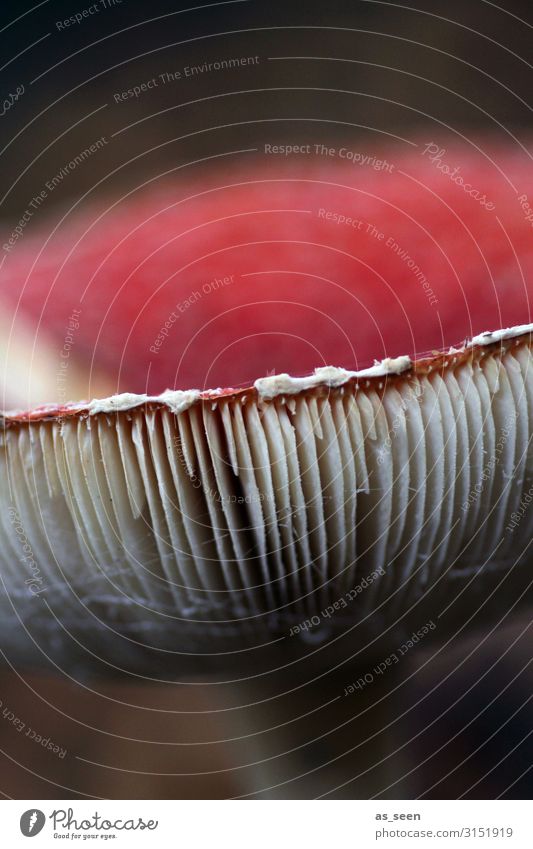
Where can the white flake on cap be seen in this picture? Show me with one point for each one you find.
(284, 384)
(490, 336)
(177, 400)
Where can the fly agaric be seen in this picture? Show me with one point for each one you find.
(234, 506)
(224, 277)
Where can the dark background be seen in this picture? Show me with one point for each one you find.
(458, 67)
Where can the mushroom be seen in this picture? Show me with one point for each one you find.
(205, 518)
(230, 512)
(281, 264)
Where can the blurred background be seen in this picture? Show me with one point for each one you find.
(106, 104)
